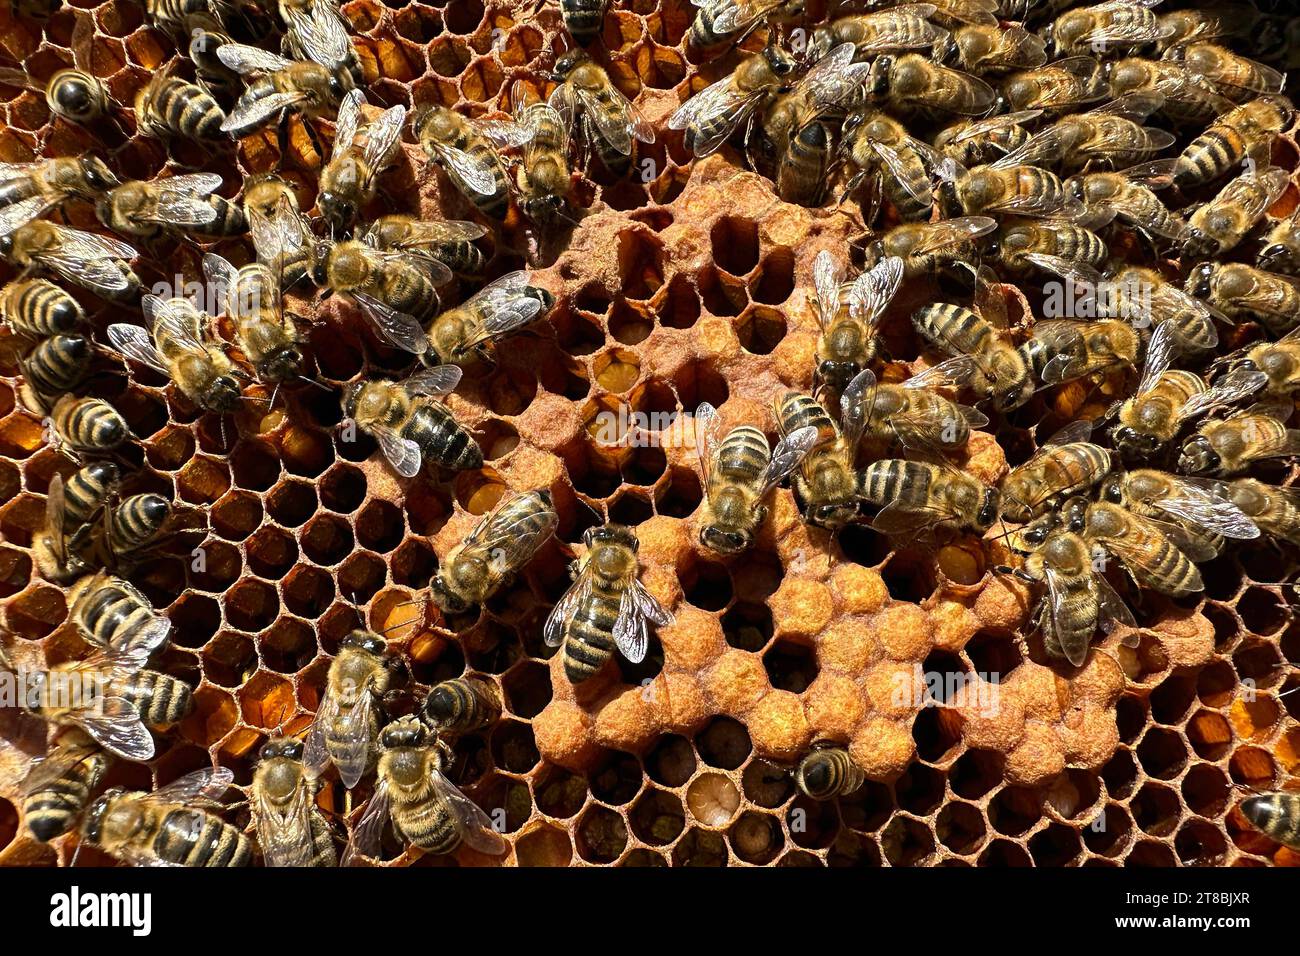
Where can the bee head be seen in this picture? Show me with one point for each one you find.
(1112, 490)
(97, 175)
(445, 598)
(6, 244)
(611, 534)
(1198, 456)
(725, 541)
(440, 705)
(1035, 534)
(406, 732)
(339, 211)
(1074, 513)
(878, 76)
(945, 50)
(365, 641)
(832, 515)
(320, 257)
(1132, 443)
(92, 824)
(837, 374)
(1275, 258)
(282, 364)
(1013, 395)
(568, 63)
(288, 747)
(1199, 280)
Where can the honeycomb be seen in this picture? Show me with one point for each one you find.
(685, 282)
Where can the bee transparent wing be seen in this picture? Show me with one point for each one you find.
(1079, 273)
(251, 114)
(1122, 30)
(789, 453)
(116, 726)
(506, 307)
(517, 539)
(631, 631)
(101, 276)
(1138, 558)
(368, 832)
(1256, 78)
(895, 519)
(208, 785)
(323, 36)
(826, 287)
(619, 126)
(22, 212)
(401, 329)
(1233, 387)
(990, 303)
(956, 371)
(736, 16)
(177, 323)
(88, 245)
(1079, 431)
(899, 34)
(358, 730)
(897, 167)
(347, 123)
(833, 79)
(55, 509)
(708, 432)
(505, 133)
(475, 826)
(434, 382)
(1076, 652)
(994, 123)
(315, 755)
(1160, 352)
(950, 232)
(402, 453)
(858, 398)
(1204, 504)
(183, 201)
(284, 834)
(553, 632)
(463, 167)
(49, 769)
(220, 273)
(872, 291)
(1111, 609)
(134, 343)
(383, 136)
(719, 108)
(244, 59)
(450, 230)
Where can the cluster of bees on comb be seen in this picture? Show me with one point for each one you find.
(1122, 174)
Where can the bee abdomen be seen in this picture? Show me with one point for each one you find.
(442, 439)
(229, 221)
(195, 838)
(743, 454)
(828, 773)
(429, 826)
(90, 424)
(798, 411)
(136, 520)
(159, 699)
(589, 640)
(1209, 155)
(460, 705)
(1277, 814)
(39, 307)
(52, 810)
(896, 480)
(183, 109)
(85, 491)
(57, 364)
(583, 18)
(952, 327)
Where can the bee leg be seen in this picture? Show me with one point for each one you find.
(314, 136)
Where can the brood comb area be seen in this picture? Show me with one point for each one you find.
(686, 282)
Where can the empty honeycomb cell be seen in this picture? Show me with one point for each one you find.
(1171, 701)
(343, 488)
(287, 646)
(1200, 843)
(1110, 832)
(748, 626)
(909, 576)
(1257, 661)
(1222, 578)
(1156, 809)
(735, 244)
(994, 651)
(906, 841)
(170, 449)
(601, 835)
(707, 585)
(724, 743)
(544, 845)
(790, 666)
(36, 612)
(309, 591)
(976, 773)
(724, 299)
(251, 605)
(1055, 845)
(1014, 810)
(228, 659)
(8, 823)
(960, 827)
(1217, 684)
(1150, 853)
(1120, 774)
(1210, 734)
(1226, 626)
(1252, 767)
(266, 700)
(1206, 790)
(680, 495)
(677, 306)
(327, 540)
(1001, 852)
(766, 784)
(236, 516)
(671, 762)
(361, 575)
(195, 618)
(379, 526)
(15, 571)
(492, 647)
(760, 329)
(271, 553)
(630, 509)
(920, 790)
(1262, 611)
(1162, 753)
(1131, 716)
(305, 452)
(216, 566)
(812, 824)
(254, 466)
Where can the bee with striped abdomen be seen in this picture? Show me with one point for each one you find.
(169, 827)
(466, 151)
(876, 144)
(268, 337)
(1145, 298)
(984, 49)
(350, 177)
(542, 176)
(87, 425)
(909, 412)
(1151, 551)
(848, 313)
(504, 540)
(911, 82)
(57, 790)
(924, 496)
(1058, 86)
(410, 423)
(462, 706)
(39, 308)
(53, 368)
(1187, 98)
(1273, 509)
(606, 608)
(737, 473)
(826, 481)
(1116, 25)
(346, 728)
(828, 771)
(29, 190)
(1276, 815)
(291, 831)
(470, 330)
(928, 247)
(1066, 464)
(279, 85)
(1108, 137)
(450, 241)
(1224, 221)
(52, 549)
(978, 142)
(94, 262)
(593, 107)
(1234, 76)
(1231, 445)
(1129, 196)
(1244, 292)
(1247, 131)
(1201, 509)
(183, 205)
(1053, 245)
(426, 809)
(718, 22)
(896, 30)
(712, 115)
(168, 106)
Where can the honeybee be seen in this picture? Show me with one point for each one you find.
(828, 771)
(283, 238)
(1106, 137)
(1085, 348)
(1214, 22)
(461, 706)
(1113, 25)
(88, 425)
(877, 142)
(411, 426)
(314, 89)
(251, 297)
(832, 87)
(1230, 446)
(503, 541)
(290, 829)
(1006, 186)
(349, 179)
(426, 809)
(1281, 247)
(926, 247)
(58, 788)
(1143, 297)
(977, 142)
(1246, 131)
(175, 346)
(917, 496)
(1129, 197)
(719, 21)
(28, 190)
(1199, 508)
(464, 149)
(1150, 550)
(500, 308)
(909, 412)
(451, 241)
(396, 293)
(982, 355)
(168, 827)
(738, 471)
(606, 608)
(1187, 97)
(1274, 510)
(826, 482)
(900, 28)
(712, 115)
(134, 525)
(588, 102)
(543, 178)
(1278, 362)
(1166, 399)
(1065, 465)
(1078, 599)
(910, 82)
(984, 49)
(317, 31)
(848, 313)
(168, 106)
(39, 308)
(1244, 292)
(52, 552)
(1275, 814)
(183, 204)
(1236, 77)
(55, 366)
(583, 18)
(1225, 220)
(97, 263)
(1056, 246)
(348, 719)
(1062, 85)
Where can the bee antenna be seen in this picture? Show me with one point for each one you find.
(311, 381)
(75, 853)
